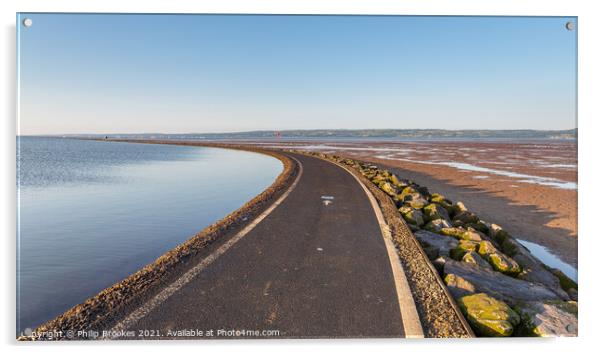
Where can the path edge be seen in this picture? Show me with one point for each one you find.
(468, 332)
(407, 307)
(99, 310)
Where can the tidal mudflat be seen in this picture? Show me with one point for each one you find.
(529, 186)
(90, 212)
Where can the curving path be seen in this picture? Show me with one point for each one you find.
(316, 266)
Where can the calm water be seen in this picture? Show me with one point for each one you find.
(91, 213)
(550, 259)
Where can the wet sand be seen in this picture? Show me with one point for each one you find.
(527, 187)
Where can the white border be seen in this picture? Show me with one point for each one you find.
(589, 156)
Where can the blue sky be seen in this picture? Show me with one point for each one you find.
(109, 73)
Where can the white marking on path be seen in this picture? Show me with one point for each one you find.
(146, 308)
(407, 307)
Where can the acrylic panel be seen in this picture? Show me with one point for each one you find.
(205, 176)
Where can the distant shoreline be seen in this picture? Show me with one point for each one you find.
(337, 134)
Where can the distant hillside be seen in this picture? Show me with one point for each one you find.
(363, 133)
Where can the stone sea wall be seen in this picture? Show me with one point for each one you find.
(501, 288)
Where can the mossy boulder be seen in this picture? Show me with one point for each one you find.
(508, 289)
(463, 247)
(472, 234)
(504, 264)
(487, 316)
(378, 178)
(510, 246)
(405, 209)
(459, 207)
(466, 217)
(474, 258)
(414, 217)
(498, 260)
(455, 232)
(408, 190)
(388, 188)
(461, 233)
(369, 175)
(458, 286)
(422, 190)
(434, 242)
(548, 318)
(393, 179)
(441, 200)
(435, 211)
(486, 247)
(480, 226)
(436, 225)
(438, 198)
(498, 234)
(415, 200)
(566, 283)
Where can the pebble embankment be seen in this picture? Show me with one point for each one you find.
(498, 285)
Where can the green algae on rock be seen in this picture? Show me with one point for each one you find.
(435, 211)
(463, 247)
(414, 217)
(458, 286)
(436, 225)
(474, 258)
(466, 217)
(498, 266)
(415, 200)
(498, 261)
(442, 201)
(566, 283)
(548, 318)
(461, 233)
(488, 316)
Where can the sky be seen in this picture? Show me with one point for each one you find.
(116, 73)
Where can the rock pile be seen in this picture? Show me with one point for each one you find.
(501, 288)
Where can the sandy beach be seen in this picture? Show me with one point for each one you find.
(528, 187)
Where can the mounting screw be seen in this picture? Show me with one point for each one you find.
(570, 26)
(27, 22)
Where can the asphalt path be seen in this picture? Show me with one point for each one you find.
(315, 266)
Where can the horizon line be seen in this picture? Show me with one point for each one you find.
(307, 130)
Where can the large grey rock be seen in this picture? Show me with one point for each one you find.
(463, 247)
(435, 211)
(462, 233)
(414, 217)
(415, 200)
(459, 207)
(548, 318)
(488, 316)
(444, 202)
(466, 217)
(442, 244)
(396, 182)
(498, 260)
(498, 285)
(389, 189)
(535, 271)
(458, 286)
(474, 258)
(437, 225)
